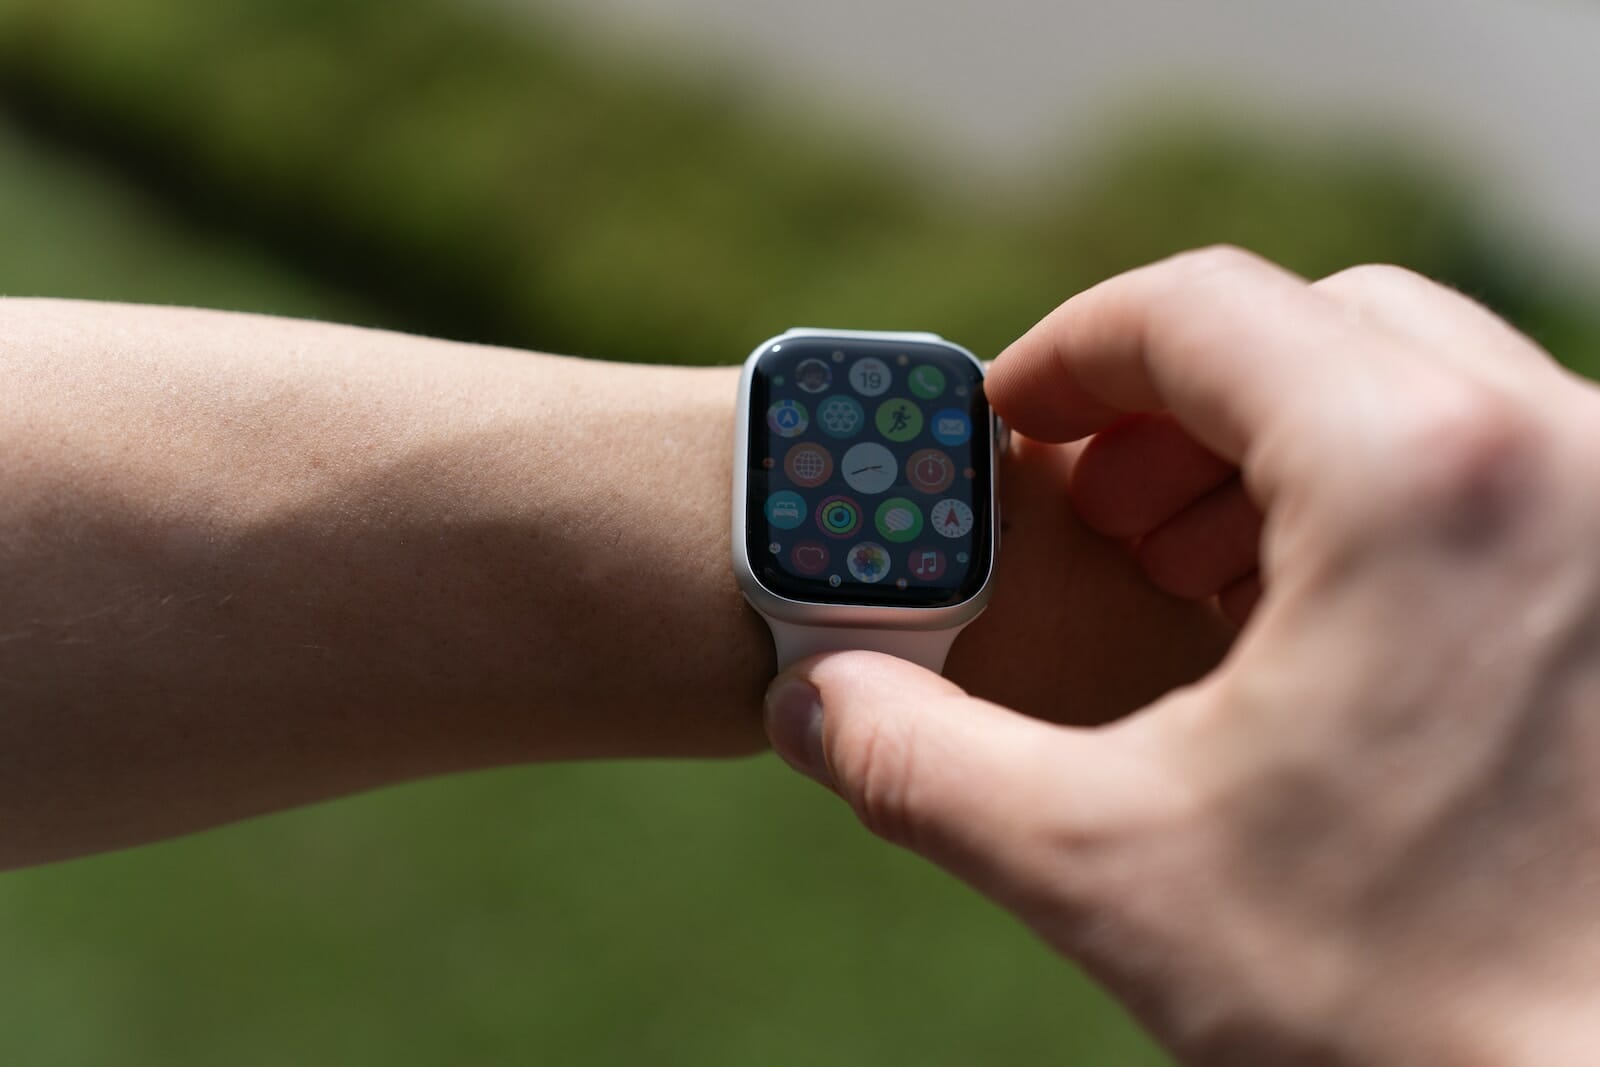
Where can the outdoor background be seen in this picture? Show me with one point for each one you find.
(672, 181)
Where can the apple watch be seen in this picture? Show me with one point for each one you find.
(865, 512)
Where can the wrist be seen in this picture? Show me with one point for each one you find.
(591, 612)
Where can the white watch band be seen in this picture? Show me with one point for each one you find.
(795, 641)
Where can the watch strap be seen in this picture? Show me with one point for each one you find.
(795, 641)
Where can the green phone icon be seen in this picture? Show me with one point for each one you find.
(927, 382)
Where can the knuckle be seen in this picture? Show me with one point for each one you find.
(1368, 276)
(1190, 285)
(1462, 463)
(1224, 259)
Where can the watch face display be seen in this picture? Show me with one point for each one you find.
(868, 473)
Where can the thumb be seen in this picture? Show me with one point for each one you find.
(989, 794)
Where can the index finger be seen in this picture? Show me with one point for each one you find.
(1223, 339)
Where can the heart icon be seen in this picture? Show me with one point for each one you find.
(809, 557)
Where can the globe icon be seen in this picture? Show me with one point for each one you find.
(809, 466)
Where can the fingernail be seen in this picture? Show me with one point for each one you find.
(794, 726)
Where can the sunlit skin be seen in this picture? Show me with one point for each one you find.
(1372, 834)
(248, 563)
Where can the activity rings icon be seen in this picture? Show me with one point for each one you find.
(838, 516)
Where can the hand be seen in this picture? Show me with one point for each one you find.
(1373, 833)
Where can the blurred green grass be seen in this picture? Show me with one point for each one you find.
(691, 913)
(413, 166)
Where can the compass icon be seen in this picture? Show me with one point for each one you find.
(950, 518)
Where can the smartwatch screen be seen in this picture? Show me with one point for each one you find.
(868, 476)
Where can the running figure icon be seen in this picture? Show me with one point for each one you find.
(899, 420)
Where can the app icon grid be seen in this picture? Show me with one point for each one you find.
(873, 528)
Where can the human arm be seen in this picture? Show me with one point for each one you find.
(247, 563)
(1372, 834)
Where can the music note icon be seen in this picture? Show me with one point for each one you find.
(926, 564)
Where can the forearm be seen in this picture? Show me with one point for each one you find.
(249, 563)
